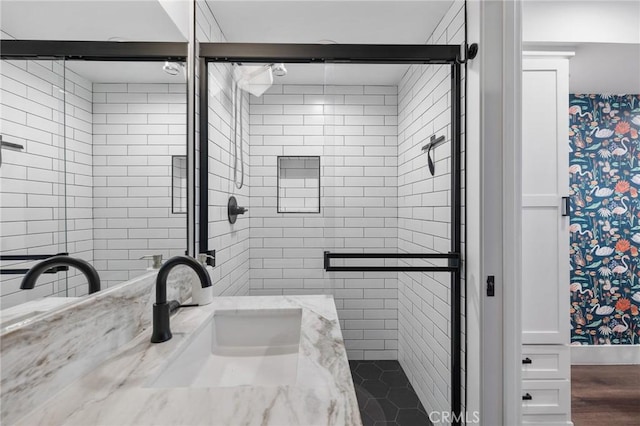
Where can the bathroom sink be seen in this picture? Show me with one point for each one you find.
(235, 348)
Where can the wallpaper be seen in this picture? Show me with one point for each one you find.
(605, 219)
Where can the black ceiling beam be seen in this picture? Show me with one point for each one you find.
(94, 50)
(330, 53)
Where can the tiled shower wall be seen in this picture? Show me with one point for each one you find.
(424, 109)
(137, 128)
(353, 130)
(33, 180)
(231, 241)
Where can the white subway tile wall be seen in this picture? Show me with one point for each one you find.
(353, 130)
(424, 109)
(33, 205)
(231, 241)
(137, 128)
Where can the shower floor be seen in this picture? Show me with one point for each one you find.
(385, 396)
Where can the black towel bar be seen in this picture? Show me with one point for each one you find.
(14, 271)
(453, 264)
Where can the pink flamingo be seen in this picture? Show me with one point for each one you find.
(621, 210)
(576, 170)
(577, 111)
(577, 288)
(620, 152)
(620, 328)
(576, 229)
(621, 269)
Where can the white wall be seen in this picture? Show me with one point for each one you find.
(353, 130)
(35, 112)
(424, 299)
(603, 34)
(605, 68)
(137, 128)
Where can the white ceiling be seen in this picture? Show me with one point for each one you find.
(312, 21)
(344, 22)
(133, 20)
(123, 72)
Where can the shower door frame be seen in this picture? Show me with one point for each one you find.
(352, 54)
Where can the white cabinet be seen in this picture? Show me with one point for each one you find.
(545, 239)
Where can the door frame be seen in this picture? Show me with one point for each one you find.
(451, 55)
(493, 218)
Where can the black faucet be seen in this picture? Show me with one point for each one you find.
(32, 275)
(162, 309)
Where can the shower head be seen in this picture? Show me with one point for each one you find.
(172, 68)
(279, 70)
(255, 79)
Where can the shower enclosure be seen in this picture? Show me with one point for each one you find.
(336, 186)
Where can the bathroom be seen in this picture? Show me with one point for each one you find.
(341, 199)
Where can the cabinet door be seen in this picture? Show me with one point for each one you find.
(545, 180)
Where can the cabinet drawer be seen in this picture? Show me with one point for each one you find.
(546, 420)
(545, 396)
(545, 362)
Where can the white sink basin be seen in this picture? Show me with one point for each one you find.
(237, 347)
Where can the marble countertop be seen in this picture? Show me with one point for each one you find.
(15, 316)
(116, 393)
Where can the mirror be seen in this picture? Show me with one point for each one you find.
(104, 145)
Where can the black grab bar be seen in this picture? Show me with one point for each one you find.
(18, 271)
(452, 266)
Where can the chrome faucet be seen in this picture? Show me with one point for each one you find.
(30, 278)
(162, 309)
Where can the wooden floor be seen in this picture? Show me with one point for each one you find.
(605, 395)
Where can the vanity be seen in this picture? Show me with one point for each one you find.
(249, 360)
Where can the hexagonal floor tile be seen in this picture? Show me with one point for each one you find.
(381, 410)
(403, 398)
(368, 371)
(412, 417)
(366, 420)
(376, 388)
(388, 365)
(395, 378)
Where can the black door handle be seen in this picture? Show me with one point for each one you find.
(527, 360)
(527, 397)
(566, 206)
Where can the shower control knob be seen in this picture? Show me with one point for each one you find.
(233, 210)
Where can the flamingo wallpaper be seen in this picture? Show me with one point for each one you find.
(605, 219)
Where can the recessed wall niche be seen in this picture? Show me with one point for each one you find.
(179, 184)
(298, 184)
